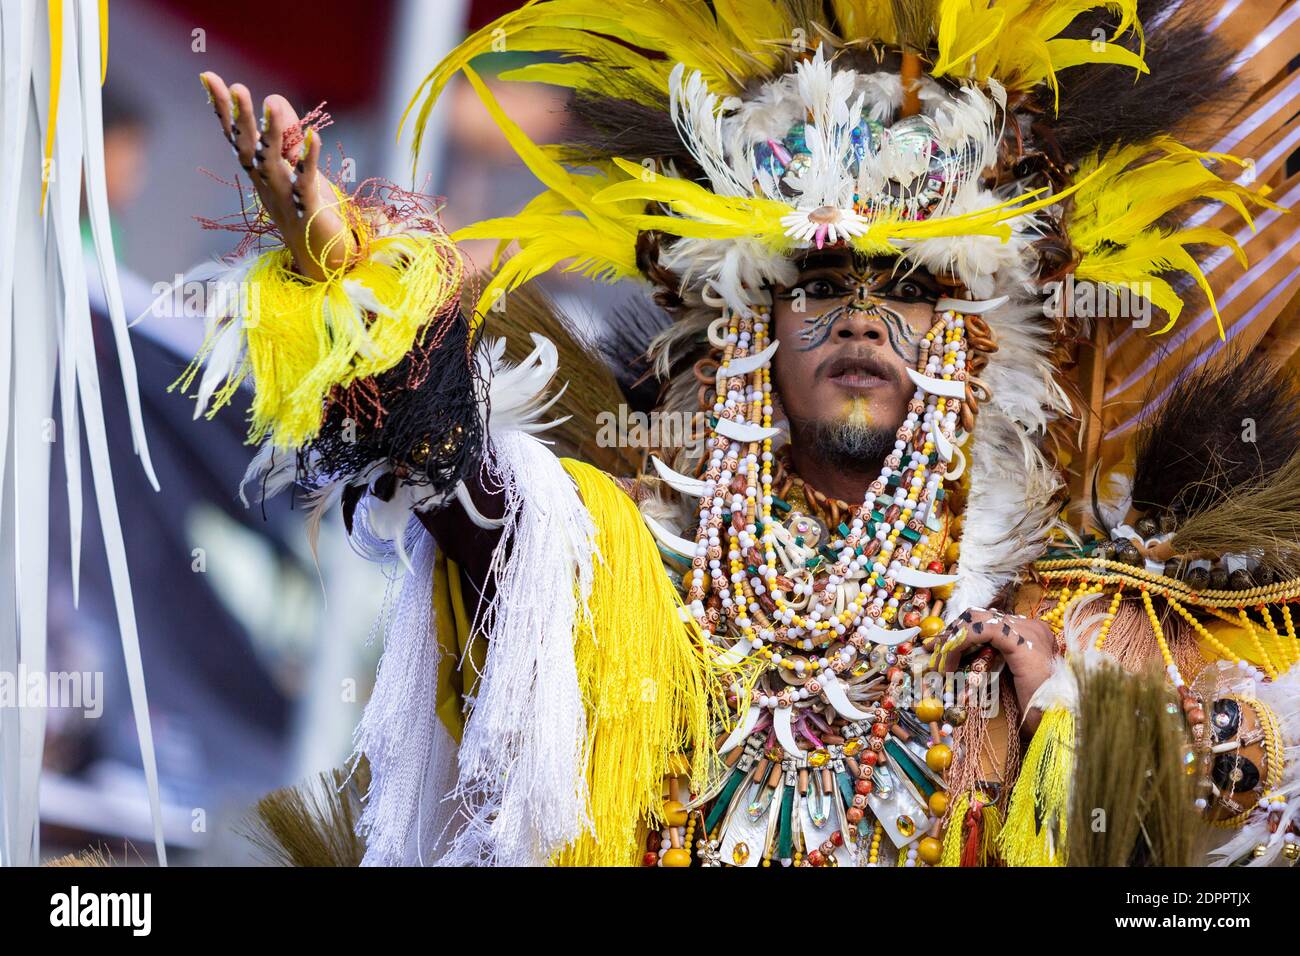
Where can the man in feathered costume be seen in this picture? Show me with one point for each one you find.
(852, 625)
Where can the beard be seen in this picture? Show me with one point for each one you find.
(852, 446)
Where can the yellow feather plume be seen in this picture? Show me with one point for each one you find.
(1117, 212)
(634, 44)
(865, 19)
(1016, 42)
(598, 242)
(729, 42)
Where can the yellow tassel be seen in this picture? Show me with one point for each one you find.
(645, 679)
(303, 338)
(953, 836)
(992, 833)
(1035, 830)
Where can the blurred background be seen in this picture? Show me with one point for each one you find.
(258, 654)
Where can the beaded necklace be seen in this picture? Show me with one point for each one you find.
(846, 588)
(812, 604)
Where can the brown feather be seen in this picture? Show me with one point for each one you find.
(313, 824)
(1132, 799)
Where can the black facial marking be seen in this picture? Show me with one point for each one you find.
(897, 329)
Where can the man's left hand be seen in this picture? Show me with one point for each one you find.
(1027, 645)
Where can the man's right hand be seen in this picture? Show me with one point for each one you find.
(300, 201)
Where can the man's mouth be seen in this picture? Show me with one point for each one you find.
(858, 373)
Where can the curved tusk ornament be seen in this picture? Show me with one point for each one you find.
(747, 431)
(941, 444)
(781, 718)
(835, 692)
(889, 638)
(923, 579)
(944, 388)
(743, 730)
(970, 306)
(747, 363)
(691, 487)
(673, 542)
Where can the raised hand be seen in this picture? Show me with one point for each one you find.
(299, 200)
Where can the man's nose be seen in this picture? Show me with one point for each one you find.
(862, 323)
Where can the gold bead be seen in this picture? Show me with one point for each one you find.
(938, 803)
(929, 710)
(929, 850)
(677, 857)
(931, 626)
(674, 813)
(938, 758)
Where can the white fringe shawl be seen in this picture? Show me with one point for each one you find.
(515, 794)
(412, 756)
(523, 768)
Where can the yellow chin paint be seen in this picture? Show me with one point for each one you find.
(859, 412)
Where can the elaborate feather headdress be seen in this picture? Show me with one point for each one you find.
(746, 130)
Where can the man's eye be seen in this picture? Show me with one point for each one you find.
(906, 289)
(822, 289)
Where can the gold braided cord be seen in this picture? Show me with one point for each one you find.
(1203, 632)
(1116, 572)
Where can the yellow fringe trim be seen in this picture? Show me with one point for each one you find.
(992, 834)
(304, 338)
(645, 679)
(952, 837)
(1042, 792)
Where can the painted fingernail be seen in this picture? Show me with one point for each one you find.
(306, 143)
(266, 116)
(207, 89)
(234, 108)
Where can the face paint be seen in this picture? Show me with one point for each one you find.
(869, 285)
